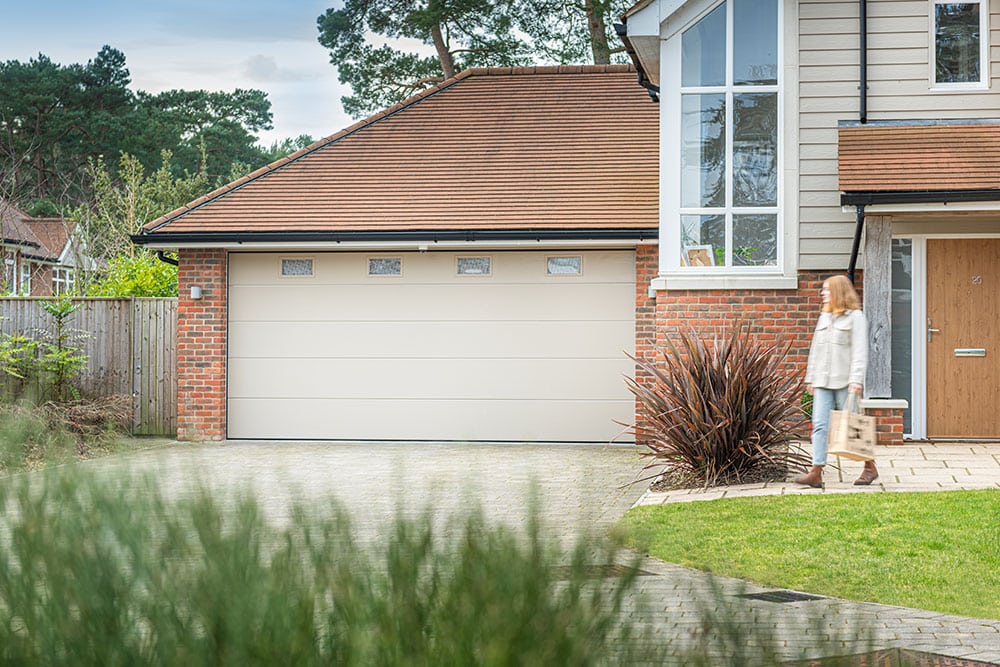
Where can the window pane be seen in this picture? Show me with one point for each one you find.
(296, 267)
(703, 150)
(564, 265)
(755, 240)
(902, 323)
(703, 240)
(385, 266)
(703, 51)
(474, 266)
(956, 42)
(755, 42)
(755, 149)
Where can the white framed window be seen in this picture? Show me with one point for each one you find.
(9, 277)
(296, 267)
(959, 45)
(62, 281)
(723, 148)
(385, 266)
(564, 265)
(27, 268)
(474, 266)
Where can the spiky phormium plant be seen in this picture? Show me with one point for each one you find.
(721, 412)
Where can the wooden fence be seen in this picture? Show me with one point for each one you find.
(130, 346)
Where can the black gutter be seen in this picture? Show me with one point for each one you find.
(622, 31)
(863, 74)
(402, 235)
(166, 260)
(921, 197)
(859, 226)
(20, 242)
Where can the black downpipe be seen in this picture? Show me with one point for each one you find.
(863, 117)
(863, 74)
(857, 242)
(163, 258)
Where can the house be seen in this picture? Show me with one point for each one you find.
(802, 138)
(41, 256)
(466, 265)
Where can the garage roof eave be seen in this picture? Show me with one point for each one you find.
(283, 239)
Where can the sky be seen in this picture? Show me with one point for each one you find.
(269, 45)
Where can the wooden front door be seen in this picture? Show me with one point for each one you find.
(963, 348)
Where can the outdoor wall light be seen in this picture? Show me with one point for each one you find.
(195, 292)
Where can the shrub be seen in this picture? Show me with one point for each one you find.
(101, 571)
(724, 412)
(142, 275)
(28, 439)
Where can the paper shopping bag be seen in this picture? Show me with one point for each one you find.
(852, 435)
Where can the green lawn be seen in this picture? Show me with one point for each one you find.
(938, 551)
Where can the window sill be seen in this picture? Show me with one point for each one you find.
(689, 281)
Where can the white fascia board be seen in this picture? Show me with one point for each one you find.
(928, 207)
(645, 22)
(429, 246)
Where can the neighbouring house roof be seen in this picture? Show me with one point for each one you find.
(41, 239)
(53, 234)
(930, 162)
(498, 149)
(13, 231)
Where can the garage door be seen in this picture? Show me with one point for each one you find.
(498, 346)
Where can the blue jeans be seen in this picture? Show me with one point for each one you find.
(824, 400)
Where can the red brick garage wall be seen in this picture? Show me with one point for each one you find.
(201, 345)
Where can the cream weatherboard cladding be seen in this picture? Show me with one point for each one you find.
(899, 88)
(430, 355)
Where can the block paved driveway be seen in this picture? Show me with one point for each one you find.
(578, 487)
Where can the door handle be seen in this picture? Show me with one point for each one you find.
(931, 331)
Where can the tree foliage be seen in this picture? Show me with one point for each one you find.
(56, 120)
(461, 34)
(121, 205)
(139, 275)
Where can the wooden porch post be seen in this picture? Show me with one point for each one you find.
(877, 305)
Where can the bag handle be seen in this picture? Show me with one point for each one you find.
(853, 403)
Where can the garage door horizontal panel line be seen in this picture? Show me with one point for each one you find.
(456, 321)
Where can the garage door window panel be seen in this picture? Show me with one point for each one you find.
(475, 266)
(385, 266)
(564, 265)
(296, 267)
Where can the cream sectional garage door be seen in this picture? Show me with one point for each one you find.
(429, 354)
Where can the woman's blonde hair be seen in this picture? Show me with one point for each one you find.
(842, 296)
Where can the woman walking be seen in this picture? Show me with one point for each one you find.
(838, 359)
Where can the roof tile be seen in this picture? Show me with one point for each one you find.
(907, 158)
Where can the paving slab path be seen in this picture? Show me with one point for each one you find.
(586, 487)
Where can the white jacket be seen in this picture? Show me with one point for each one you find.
(838, 355)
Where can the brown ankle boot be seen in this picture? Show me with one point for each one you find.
(868, 475)
(813, 478)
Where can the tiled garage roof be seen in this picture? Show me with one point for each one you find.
(919, 158)
(490, 149)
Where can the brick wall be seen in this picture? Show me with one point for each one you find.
(778, 316)
(201, 345)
